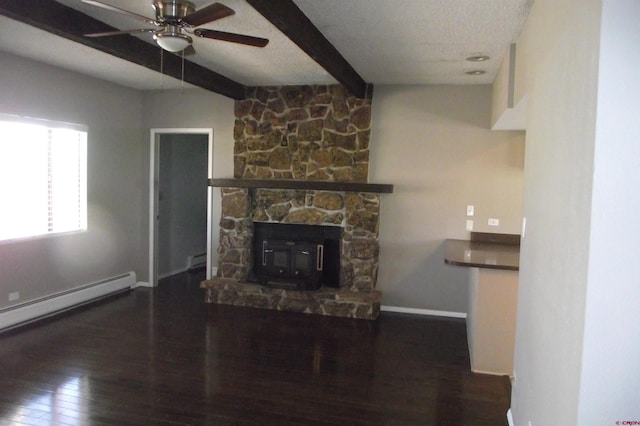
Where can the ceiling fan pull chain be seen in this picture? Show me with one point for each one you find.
(161, 69)
(182, 76)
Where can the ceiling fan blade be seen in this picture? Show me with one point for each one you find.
(189, 50)
(112, 33)
(233, 38)
(121, 11)
(213, 12)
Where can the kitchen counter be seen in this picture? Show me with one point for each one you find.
(493, 261)
(490, 255)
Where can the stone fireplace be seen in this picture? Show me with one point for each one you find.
(301, 157)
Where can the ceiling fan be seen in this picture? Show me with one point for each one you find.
(176, 19)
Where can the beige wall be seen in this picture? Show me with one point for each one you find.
(491, 320)
(111, 245)
(577, 332)
(501, 98)
(118, 179)
(193, 108)
(560, 49)
(434, 144)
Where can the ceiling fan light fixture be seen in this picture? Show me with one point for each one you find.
(172, 42)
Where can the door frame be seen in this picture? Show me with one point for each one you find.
(154, 192)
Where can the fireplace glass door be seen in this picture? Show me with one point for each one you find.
(291, 264)
(296, 256)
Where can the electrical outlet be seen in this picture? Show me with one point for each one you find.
(494, 222)
(470, 210)
(14, 296)
(469, 225)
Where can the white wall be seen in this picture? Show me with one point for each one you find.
(577, 333)
(194, 108)
(434, 144)
(111, 246)
(610, 369)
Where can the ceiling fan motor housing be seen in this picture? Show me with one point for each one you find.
(173, 10)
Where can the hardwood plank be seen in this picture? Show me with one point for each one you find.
(164, 357)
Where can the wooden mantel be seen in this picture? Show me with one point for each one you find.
(379, 188)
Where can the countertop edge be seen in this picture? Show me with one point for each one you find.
(481, 265)
(460, 253)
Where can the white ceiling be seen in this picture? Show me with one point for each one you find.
(386, 42)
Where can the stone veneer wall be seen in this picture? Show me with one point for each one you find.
(316, 133)
(357, 213)
(303, 133)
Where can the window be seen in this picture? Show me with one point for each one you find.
(43, 177)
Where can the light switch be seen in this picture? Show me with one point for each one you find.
(469, 225)
(494, 222)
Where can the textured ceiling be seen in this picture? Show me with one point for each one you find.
(387, 42)
(420, 41)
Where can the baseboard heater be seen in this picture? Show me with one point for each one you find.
(196, 261)
(33, 310)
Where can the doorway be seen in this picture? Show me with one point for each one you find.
(180, 211)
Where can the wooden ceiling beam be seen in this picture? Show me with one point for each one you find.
(56, 18)
(289, 19)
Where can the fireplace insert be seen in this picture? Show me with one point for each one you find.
(297, 257)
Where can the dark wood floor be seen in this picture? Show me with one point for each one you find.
(163, 357)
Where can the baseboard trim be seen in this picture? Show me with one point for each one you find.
(214, 271)
(172, 273)
(490, 373)
(33, 310)
(429, 312)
